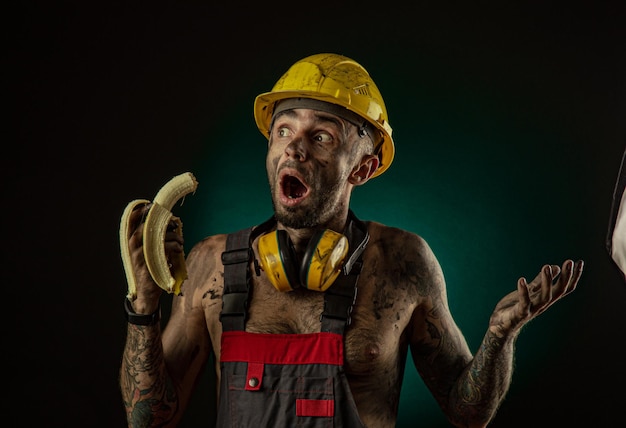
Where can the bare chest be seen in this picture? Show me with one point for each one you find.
(374, 339)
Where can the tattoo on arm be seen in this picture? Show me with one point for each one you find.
(483, 386)
(149, 396)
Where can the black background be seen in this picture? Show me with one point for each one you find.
(109, 101)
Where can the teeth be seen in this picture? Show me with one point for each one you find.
(168, 274)
(293, 188)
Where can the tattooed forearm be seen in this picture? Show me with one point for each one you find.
(149, 400)
(486, 381)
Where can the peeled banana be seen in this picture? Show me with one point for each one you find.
(168, 274)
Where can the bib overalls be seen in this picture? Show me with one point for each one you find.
(286, 380)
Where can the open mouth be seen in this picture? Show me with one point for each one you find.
(292, 187)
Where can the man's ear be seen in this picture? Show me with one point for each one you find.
(364, 170)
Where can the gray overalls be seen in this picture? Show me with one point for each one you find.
(286, 380)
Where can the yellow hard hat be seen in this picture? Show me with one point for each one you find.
(338, 80)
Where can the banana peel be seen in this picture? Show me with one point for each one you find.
(168, 274)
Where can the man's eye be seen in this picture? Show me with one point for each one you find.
(283, 132)
(323, 138)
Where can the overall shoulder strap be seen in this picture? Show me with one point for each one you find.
(236, 259)
(339, 298)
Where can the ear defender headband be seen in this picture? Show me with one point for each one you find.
(321, 264)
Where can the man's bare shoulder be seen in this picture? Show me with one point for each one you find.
(404, 257)
(204, 266)
(393, 239)
(208, 245)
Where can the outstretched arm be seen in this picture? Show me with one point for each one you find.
(483, 385)
(470, 389)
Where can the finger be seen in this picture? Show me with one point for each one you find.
(172, 226)
(576, 273)
(556, 272)
(139, 213)
(562, 281)
(173, 246)
(173, 235)
(545, 295)
(523, 290)
(570, 278)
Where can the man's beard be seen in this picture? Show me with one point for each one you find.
(319, 208)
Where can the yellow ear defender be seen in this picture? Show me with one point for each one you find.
(321, 264)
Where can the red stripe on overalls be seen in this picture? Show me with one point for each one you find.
(316, 348)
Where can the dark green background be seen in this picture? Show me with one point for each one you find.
(509, 129)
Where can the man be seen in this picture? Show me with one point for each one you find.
(312, 313)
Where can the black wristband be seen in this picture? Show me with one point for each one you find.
(138, 319)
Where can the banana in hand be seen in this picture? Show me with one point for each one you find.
(169, 275)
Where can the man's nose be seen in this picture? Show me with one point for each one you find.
(296, 149)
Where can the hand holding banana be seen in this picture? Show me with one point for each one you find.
(169, 275)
